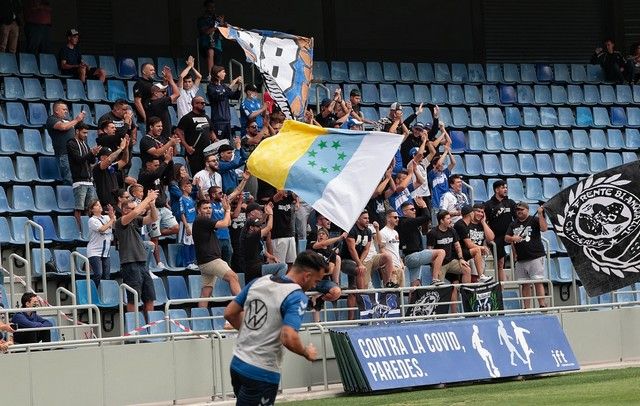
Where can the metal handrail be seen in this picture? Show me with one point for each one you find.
(87, 270)
(12, 258)
(471, 191)
(233, 62)
(318, 99)
(74, 311)
(27, 241)
(122, 288)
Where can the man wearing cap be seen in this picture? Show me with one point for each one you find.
(251, 108)
(196, 132)
(231, 158)
(188, 86)
(470, 249)
(142, 90)
(71, 62)
(152, 145)
(158, 105)
(326, 117)
(454, 199)
(81, 157)
(419, 173)
(104, 172)
(418, 130)
(61, 130)
(525, 237)
(500, 212)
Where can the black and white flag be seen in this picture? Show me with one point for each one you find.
(485, 298)
(598, 220)
(428, 301)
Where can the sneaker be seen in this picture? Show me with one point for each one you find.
(160, 265)
(391, 285)
(436, 282)
(485, 278)
(192, 267)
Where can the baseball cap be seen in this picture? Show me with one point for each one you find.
(466, 209)
(104, 151)
(72, 32)
(522, 205)
(395, 106)
(254, 222)
(325, 102)
(413, 151)
(418, 125)
(354, 92)
(160, 86)
(250, 87)
(225, 147)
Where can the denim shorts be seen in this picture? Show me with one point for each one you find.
(83, 195)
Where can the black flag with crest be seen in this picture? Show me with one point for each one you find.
(598, 220)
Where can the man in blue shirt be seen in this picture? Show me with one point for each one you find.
(251, 108)
(438, 177)
(268, 314)
(231, 158)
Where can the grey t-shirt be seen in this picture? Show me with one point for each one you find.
(130, 243)
(59, 138)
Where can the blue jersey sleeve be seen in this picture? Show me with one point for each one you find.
(242, 296)
(293, 308)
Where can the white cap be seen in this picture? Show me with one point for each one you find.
(160, 86)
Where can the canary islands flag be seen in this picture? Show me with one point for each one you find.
(333, 170)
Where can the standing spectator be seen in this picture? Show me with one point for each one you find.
(524, 235)
(394, 124)
(500, 212)
(282, 234)
(438, 177)
(612, 62)
(175, 190)
(152, 145)
(209, 37)
(31, 320)
(208, 250)
(444, 237)
(37, 28)
(158, 105)
(121, 117)
(378, 203)
(412, 245)
(188, 87)
(255, 261)
(133, 255)
(81, 157)
(419, 178)
(209, 176)
(219, 95)
(390, 240)
(471, 250)
(454, 199)
(100, 237)
(230, 160)
(61, 130)
(187, 217)
(196, 133)
(105, 170)
(401, 189)
(10, 20)
(142, 90)
(252, 109)
(71, 63)
(418, 133)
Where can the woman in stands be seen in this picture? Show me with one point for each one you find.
(179, 173)
(219, 95)
(100, 236)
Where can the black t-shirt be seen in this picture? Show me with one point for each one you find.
(282, 216)
(122, 128)
(474, 232)
(146, 143)
(250, 254)
(325, 121)
(160, 108)
(142, 89)
(205, 240)
(188, 124)
(443, 240)
(410, 235)
(72, 56)
(499, 215)
(377, 209)
(362, 238)
(265, 191)
(59, 139)
(155, 181)
(531, 246)
(106, 181)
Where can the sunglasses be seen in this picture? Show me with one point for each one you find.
(252, 126)
(412, 209)
(395, 217)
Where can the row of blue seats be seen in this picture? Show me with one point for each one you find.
(374, 72)
(39, 199)
(26, 170)
(488, 95)
(627, 294)
(558, 163)
(46, 65)
(29, 141)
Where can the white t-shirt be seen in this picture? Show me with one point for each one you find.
(453, 202)
(373, 250)
(391, 241)
(184, 101)
(99, 242)
(423, 190)
(208, 179)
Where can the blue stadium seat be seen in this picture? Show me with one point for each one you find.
(633, 116)
(131, 323)
(511, 141)
(559, 95)
(607, 94)
(22, 200)
(545, 140)
(613, 140)
(601, 117)
(109, 293)
(7, 171)
(578, 73)
(17, 228)
(32, 89)
(511, 73)
(390, 72)
(472, 95)
(561, 164)
(511, 299)
(195, 285)
(476, 73)
(595, 74)
(508, 94)
(321, 71)
(580, 163)
(544, 73)
(528, 73)
(218, 317)
(490, 95)
(525, 94)
(516, 190)
(136, 164)
(566, 117)
(623, 94)
(50, 232)
(494, 73)
(64, 196)
(441, 73)
(9, 142)
(374, 72)
(544, 165)
(580, 140)
(90, 60)
(53, 89)
(127, 68)
(48, 168)
(460, 167)
(632, 138)
(16, 116)
(584, 118)
(491, 165)
(550, 187)
(473, 165)
(528, 141)
(339, 71)
(575, 95)
(356, 72)
(82, 294)
(459, 73)
(629, 157)
(45, 199)
(426, 117)
(179, 316)
(404, 94)
(201, 319)
(513, 118)
(439, 94)
(476, 142)
(95, 91)
(370, 113)
(177, 287)
(591, 94)
(534, 189)
(75, 90)
(68, 229)
(408, 72)
(509, 163)
(8, 64)
(168, 62)
(26, 170)
(531, 117)
(456, 96)
(496, 118)
(387, 94)
(161, 293)
(141, 61)
(76, 108)
(460, 117)
(618, 116)
(548, 117)
(458, 143)
(49, 66)
(370, 94)
(6, 237)
(445, 116)
(635, 89)
(561, 73)
(425, 73)
(541, 94)
(13, 89)
(597, 162)
(613, 159)
(38, 114)
(479, 190)
(478, 117)
(4, 202)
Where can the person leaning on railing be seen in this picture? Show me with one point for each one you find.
(30, 320)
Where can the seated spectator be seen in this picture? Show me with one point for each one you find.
(219, 95)
(252, 109)
(100, 237)
(390, 243)
(71, 63)
(81, 157)
(471, 250)
(188, 86)
(329, 286)
(353, 254)
(453, 200)
(30, 320)
(158, 104)
(444, 237)
(10, 21)
(327, 116)
(612, 63)
(355, 98)
(231, 158)
(380, 261)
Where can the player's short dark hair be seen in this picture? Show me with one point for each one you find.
(442, 214)
(201, 202)
(310, 260)
(453, 178)
(81, 126)
(498, 184)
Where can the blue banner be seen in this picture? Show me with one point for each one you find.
(417, 354)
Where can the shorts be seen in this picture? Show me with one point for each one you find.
(452, 266)
(324, 286)
(499, 241)
(285, 249)
(136, 275)
(211, 269)
(397, 275)
(350, 268)
(532, 269)
(165, 220)
(83, 195)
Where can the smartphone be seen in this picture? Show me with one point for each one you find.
(246, 196)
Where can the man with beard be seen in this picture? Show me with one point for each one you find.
(81, 157)
(472, 248)
(209, 176)
(500, 211)
(195, 133)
